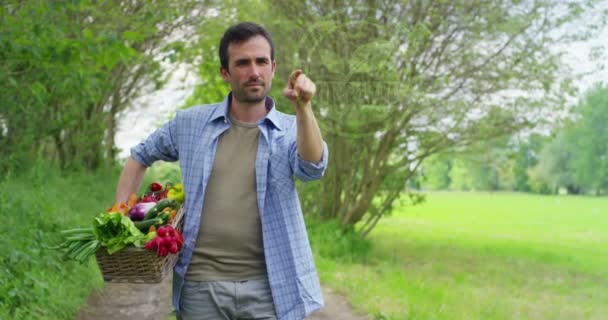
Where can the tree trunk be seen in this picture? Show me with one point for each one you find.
(60, 150)
(110, 150)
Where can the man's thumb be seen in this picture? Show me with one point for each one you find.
(290, 94)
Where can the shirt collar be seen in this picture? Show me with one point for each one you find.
(272, 116)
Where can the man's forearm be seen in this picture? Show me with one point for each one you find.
(309, 140)
(130, 179)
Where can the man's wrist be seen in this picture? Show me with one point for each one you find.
(304, 109)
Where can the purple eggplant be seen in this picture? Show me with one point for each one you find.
(138, 212)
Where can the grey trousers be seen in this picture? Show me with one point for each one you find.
(226, 300)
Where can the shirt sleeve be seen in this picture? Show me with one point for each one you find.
(302, 169)
(307, 171)
(160, 145)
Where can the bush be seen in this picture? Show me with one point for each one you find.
(329, 241)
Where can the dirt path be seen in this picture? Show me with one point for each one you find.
(336, 308)
(118, 301)
(152, 301)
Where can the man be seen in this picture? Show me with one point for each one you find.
(246, 253)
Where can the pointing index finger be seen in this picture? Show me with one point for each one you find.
(293, 77)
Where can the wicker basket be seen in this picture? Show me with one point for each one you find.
(137, 265)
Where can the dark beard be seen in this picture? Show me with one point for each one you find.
(245, 98)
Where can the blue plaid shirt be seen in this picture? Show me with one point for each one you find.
(192, 138)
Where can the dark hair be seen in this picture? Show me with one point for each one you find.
(241, 33)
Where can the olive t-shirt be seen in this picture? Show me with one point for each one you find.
(229, 244)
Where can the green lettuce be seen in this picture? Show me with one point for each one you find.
(116, 231)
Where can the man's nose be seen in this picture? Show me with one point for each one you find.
(254, 71)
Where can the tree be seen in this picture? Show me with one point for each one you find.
(399, 81)
(555, 168)
(537, 180)
(402, 80)
(67, 70)
(590, 161)
(577, 158)
(436, 171)
(484, 165)
(526, 157)
(460, 179)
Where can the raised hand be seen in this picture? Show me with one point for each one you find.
(300, 89)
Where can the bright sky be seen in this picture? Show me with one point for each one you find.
(152, 110)
(580, 62)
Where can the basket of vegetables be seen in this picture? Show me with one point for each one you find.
(137, 241)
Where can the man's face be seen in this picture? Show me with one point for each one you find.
(250, 70)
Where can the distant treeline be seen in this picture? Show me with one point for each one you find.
(572, 159)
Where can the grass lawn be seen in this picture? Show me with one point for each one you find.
(483, 256)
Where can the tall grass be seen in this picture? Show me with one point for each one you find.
(34, 281)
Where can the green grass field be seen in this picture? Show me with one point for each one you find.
(483, 256)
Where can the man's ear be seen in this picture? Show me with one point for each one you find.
(274, 67)
(225, 74)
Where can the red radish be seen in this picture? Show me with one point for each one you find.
(167, 242)
(171, 232)
(157, 242)
(179, 238)
(155, 187)
(149, 198)
(162, 194)
(150, 245)
(162, 251)
(179, 242)
(172, 239)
